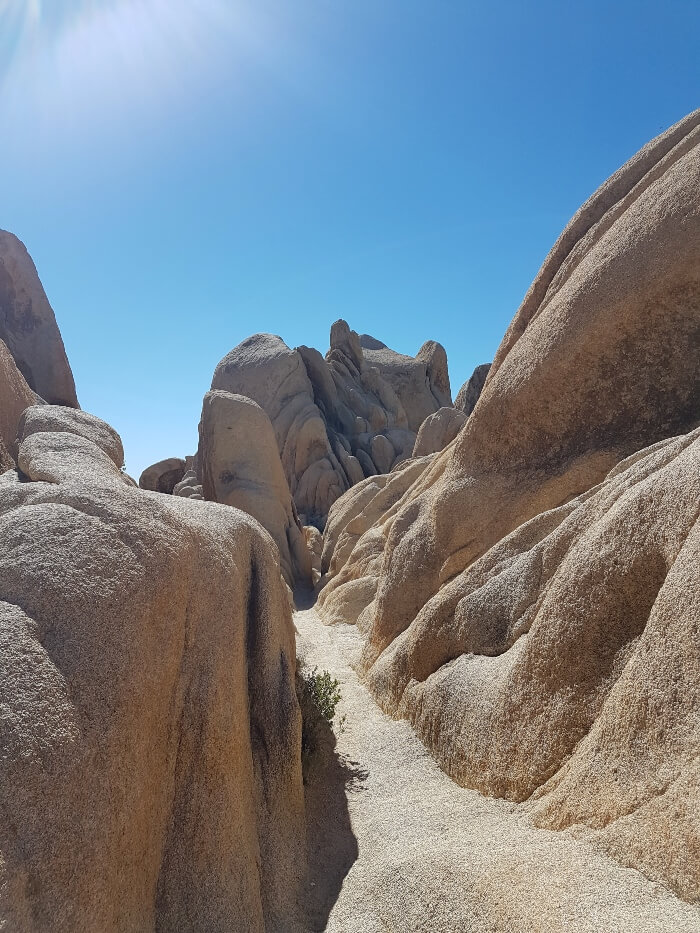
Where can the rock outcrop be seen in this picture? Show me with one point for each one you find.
(15, 396)
(28, 326)
(240, 467)
(531, 601)
(468, 395)
(150, 775)
(163, 476)
(340, 418)
(439, 430)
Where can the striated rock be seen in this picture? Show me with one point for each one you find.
(150, 729)
(438, 430)
(241, 467)
(468, 395)
(28, 326)
(517, 600)
(15, 396)
(163, 476)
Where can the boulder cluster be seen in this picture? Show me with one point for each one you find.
(522, 566)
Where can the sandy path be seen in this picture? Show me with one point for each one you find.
(397, 846)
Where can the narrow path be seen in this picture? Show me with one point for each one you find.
(398, 846)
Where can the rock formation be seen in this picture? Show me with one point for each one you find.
(468, 395)
(163, 476)
(15, 396)
(438, 430)
(240, 466)
(530, 603)
(150, 775)
(28, 326)
(340, 418)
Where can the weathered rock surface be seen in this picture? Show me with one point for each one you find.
(337, 419)
(163, 476)
(28, 326)
(468, 395)
(421, 383)
(438, 430)
(240, 466)
(530, 603)
(189, 486)
(150, 773)
(15, 396)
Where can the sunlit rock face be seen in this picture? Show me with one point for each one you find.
(28, 326)
(150, 734)
(530, 602)
(340, 418)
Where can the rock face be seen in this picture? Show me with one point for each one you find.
(15, 396)
(340, 418)
(531, 602)
(28, 326)
(438, 430)
(468, 395)
(163, 476)
(421, 383)
(150, 731)
(240, 467)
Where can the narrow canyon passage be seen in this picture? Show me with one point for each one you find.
(396, 845)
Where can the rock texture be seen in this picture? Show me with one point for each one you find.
(530, 603)
(240, 467)
(340, 418)
(163, 476)
(438, 430)
(468, 395)
(15, 396)
(28, 326)
(150, 775)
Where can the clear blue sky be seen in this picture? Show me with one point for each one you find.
(188, 172)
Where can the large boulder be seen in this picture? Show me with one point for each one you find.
(150, 771)
(439, 430)
(264, 369)
(15, 396)
(531, 602)
(163, 476)
(28, 326)
(421, 383)
(468, 395)
(241, 467)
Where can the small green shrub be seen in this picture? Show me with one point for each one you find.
(324, 692)
(319, 695)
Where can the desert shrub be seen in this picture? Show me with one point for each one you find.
(319, 695)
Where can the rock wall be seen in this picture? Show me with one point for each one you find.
(530, 602)
(28, 326)
(150, 775)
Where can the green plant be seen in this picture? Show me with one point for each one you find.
(324, 693)
(319, 695)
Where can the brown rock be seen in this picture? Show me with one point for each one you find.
(468, 395)
(241, 468)
(537, 627)
(163, 476)
(150, 730)
(28, 326)
(15, 396)
(439, 430)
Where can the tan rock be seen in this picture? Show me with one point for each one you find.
(163, 476)
(241, 468)
(28, 326)
(15, 396)
(438, 430)
(468, 395)
(48, 418)
(522, 616)
(150, 730)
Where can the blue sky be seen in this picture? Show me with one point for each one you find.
(188, 173)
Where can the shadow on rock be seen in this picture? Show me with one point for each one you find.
(332, 846)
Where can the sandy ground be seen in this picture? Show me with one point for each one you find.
(396, 845)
